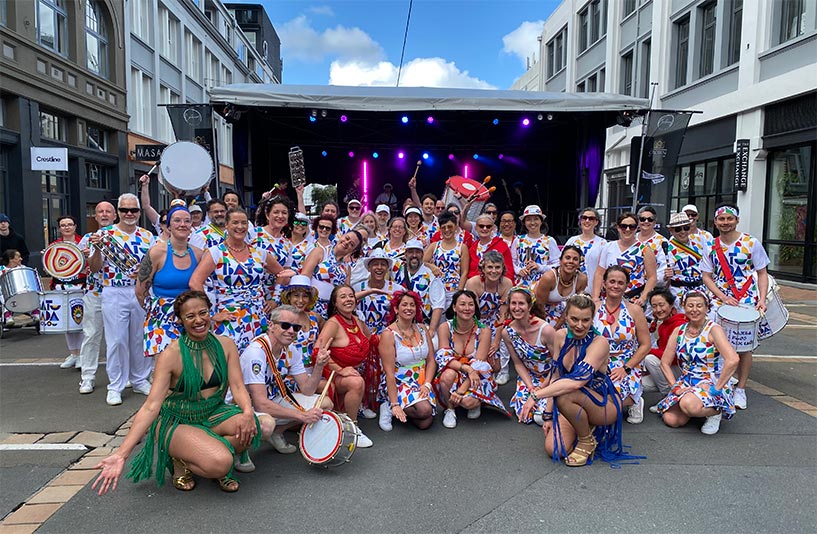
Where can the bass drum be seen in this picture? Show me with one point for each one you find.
(61, 312)
(330, 442)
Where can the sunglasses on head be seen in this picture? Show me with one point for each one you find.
(627, 226)
(646, 219)
(589, 218)
(325, 228)
(129, 210)
(286, 326)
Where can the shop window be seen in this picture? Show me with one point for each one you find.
(97, 176)
(55, 201)
(52, 126)
(705, 184)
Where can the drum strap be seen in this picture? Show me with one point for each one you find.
(727, 272)
(688, 249)
(279, 381)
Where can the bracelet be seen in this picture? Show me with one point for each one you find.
(428, 385)
(627, 370)
(533, 394)
(395, 405)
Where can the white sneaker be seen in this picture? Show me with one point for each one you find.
(69, 363)
(128, 384)
(385, 417)
(740, 398)
(502, 378)
(474, 413)
(86, 386)
(243, 463)
(114, 398)
(636, 412)
(142, 390)
(654, 408)
(711, 425)
(363, 441)
(279, 443)
(450, 419)
(367, 413)
(538, 418)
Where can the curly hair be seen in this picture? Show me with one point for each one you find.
(391, 316)
(317, 220)
(190, 294)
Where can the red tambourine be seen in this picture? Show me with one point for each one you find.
(63, 260)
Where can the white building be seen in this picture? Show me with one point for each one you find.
(177, 50)
(749, 67)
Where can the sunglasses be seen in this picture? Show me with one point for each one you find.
(354, 208)
(627, 226)
(286, 326)
(129, 210)
(682, 228)
(452, 212)
(646, 219)
(588, 218)
(485, 226)
(491, 212)
(324, 228)
(300, 223)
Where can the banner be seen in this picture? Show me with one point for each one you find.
(49, 159)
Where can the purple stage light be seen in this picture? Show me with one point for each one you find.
(344, 118)
(526, 122)
(451, 156)
(351, 154)
(401, 154)
(430, 119)
(502, 156)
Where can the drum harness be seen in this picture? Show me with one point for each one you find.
(279, 381)
(727, 272)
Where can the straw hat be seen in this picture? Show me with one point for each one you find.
(678, 219)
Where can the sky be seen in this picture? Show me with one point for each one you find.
(479, 44)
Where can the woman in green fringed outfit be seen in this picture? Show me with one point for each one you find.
(191, 428)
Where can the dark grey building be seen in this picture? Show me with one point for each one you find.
(256, 25)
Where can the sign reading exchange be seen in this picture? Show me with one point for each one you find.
(49, 159)
(741, 164)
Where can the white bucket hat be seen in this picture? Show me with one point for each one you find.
(533, 209)
(378, 254)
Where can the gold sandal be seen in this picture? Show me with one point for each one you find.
(185, 481)
(228, 484)
(584, 449)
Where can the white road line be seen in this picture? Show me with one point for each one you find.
(803, 326)
(34, 364)
(44, 447)
(786, 357)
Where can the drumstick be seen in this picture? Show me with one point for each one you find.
(325, 389)
(416, 169)
(152, 169)
(486, 180)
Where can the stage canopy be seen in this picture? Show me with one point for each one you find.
(550, 143)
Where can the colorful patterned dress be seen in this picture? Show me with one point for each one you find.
(486, 391)
(701, 367)
(397, 254)
(542, 250)
(655, 244)
(623, 344)
(685, 260)
(328, 272)
(631, 259)
(429, 229)
(450, 263)
(301, 349)
(297, 255)
(372, 309)
(489, 306)
(278, 247)
(238, 288)
(409, 372)
(539, 363)
(591, 253)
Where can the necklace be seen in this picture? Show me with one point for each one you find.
(562, 282)
(611, 317)
(178, 254)
(242, 249)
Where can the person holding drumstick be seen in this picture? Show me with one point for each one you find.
(185, 417)
(448, 256)
(68, 234)
(734, 270)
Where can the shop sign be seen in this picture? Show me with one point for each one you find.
(49, 159)
(741, 164)
(149, 152)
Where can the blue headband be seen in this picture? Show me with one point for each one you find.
(174, 209)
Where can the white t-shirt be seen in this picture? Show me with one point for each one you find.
(256, 370)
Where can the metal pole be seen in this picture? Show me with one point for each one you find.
(644, 124)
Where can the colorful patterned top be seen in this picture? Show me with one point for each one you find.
(744, 257)
(328, 272)
(136, 244)
(536, 358)
(429, 287)
(298, 253)
(685, 260)
(703, 238)
(543, 250)
(429, 229)
(631, 259)
(301, 349)
(397, 254)
(621, 334)
(450, 263)
(654, 242)
(489, 304)
(345, 224)
(409, 370)
(591, 253)
(207, 236)
(372, 309)
(93, 283)
(256, 370)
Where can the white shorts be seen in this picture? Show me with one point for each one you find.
(306, 402)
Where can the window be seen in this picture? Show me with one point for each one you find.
(792, 19)
(193, 50)
(97, 176)
(735, 22)
(707, 64)
(96, 42)
(602, 74)
(3, 12)
(627, 73)
(591, 84)
(681, 51)
(142, 17)
(168, 36)
(705, 184)
(166, 96)
(141, 97)
(55, 200)
(629, 7)
(213, 70)
(52, 26)
(583, 30)
(52, 126)
(592, 26)
(225, 142)
(95, 138)
(580, 87)
(595, 20)
(646, 50)
(557, 52)
(226, 76)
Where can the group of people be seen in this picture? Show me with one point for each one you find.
(242, 323)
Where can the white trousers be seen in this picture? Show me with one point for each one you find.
(124, 323)
(656, 381)
(91, 335)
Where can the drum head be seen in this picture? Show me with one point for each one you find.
(320, 441)
(739, 314)
(63, 260)
(466, 187)
(186, 166)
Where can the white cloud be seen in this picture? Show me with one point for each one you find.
(522, 41)
(420, 72)
(300, 41)
(322, 10)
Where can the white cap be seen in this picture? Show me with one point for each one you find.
(353, 201)
(194, 207)
(690, 207)
(533, 209)
(414, 244)
(382, 207)
(414, 210)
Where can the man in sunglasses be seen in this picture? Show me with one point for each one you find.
(279, 387)
(698, 234)
(347, 223)
(124, 317)
(684, 254)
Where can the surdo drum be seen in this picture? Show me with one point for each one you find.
(21, 289)
(61, 312)
(330, 442)
(458, 190)
(186, 167)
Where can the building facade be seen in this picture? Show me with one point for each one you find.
(256, 25)
(750, 68)
(176, 51)
(63, 86)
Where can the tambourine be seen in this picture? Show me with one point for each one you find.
(63, 260)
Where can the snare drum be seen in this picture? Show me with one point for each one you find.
(61, 312)
(186, 167)
(330, 442)
(458, 190)
(776, 316)
(740, 323)
(21, 289)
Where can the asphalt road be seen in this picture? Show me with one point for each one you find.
(758, 473)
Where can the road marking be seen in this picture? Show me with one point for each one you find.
(787, 357)
(43, 447)
(802, 326)
(34, 364)
(801, 306)
(801, 317)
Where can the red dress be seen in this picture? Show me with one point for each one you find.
(358, 352)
